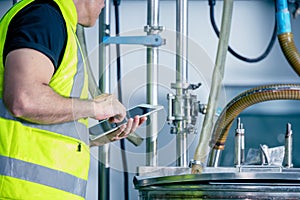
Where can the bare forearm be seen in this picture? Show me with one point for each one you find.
(27, 93)
(60, 110)
(44, 106)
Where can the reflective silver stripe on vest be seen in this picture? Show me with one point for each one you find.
(42, 175)
(79, 76)
(73, 129)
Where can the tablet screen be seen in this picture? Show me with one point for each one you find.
(139, 110)
(104, 126)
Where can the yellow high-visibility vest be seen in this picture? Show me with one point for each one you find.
(48, 162)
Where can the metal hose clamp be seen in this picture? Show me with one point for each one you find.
(195, 162)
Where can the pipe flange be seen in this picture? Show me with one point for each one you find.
(183, 86)
(150, 29)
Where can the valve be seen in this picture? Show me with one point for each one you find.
(184, 108)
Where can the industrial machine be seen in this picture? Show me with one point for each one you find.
(265, 173)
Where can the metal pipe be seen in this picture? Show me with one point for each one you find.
(181, 79)
(215, 156)
(239, 144)
(202, 149)
(241, 102)
(181, 149)
(288, 147)
(104, 85)
(181, 42)
(152, 83)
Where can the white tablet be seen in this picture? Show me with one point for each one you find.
(104, 127)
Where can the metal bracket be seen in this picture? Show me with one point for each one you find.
(194, 86)
(149, 40)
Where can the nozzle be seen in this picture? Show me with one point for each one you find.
(289, 131)
(239, 144)
(288, 147)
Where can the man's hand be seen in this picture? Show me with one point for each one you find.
(107, 106)
(121, 133)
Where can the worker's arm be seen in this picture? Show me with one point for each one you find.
(27, 93)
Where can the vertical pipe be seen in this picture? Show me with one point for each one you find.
(288, 147)
(202, 149)
(104, 85)
(181, 77)
(181, 41)
(239, 144)
(152, 86)
(283, 17)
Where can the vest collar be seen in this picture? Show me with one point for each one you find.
(69, 11)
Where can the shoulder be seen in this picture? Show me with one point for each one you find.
(46, 14)
(37, 21)
(39, 26)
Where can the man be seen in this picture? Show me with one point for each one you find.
(44, 104)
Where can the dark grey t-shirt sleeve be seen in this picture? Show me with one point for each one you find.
(39, 26)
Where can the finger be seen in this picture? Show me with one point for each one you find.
(101, 97)
(117, 118)
(128, 128)
(119, 132)
(120, 114)
(104, 95)
(142, 120)
(135, 124)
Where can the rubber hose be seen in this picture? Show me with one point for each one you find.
(287, 44)
(202, 148)
(246, 99)
(231, 50)
(285, 36)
